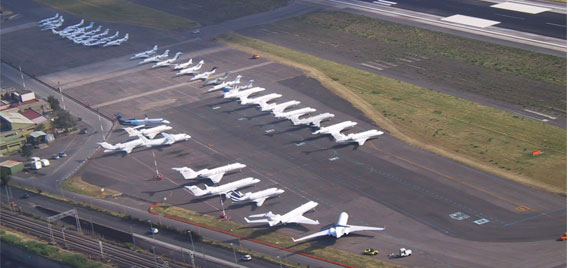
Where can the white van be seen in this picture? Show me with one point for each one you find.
(34, 159)
(44, 162)
(35, 165)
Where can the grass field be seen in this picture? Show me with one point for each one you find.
(479, 136)
(121, 11)
(319, 249)
(500, 58)
(77, 185)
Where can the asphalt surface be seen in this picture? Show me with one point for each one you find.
(546, 23)
(384, 182)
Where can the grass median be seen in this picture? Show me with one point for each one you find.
(77, 185)
(479, 136)
(319, 249)
(121, 11)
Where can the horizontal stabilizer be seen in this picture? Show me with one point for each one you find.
(187, 173)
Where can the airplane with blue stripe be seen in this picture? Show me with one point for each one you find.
(137, 122)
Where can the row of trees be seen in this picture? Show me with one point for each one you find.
(63, 119)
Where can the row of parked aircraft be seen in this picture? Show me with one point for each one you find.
(82, 35)
(232, 89)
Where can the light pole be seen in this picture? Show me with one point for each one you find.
(63, 232)
(234, 253)
(193, 246)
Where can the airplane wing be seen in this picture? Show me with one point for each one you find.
(169, 138)
(320, 233)
(356, 228)
(128, 150)
(260, 201)
(256, 221)
(216, 178)
(337, 135)
(152, 135)
(304, 220)
(361, 141)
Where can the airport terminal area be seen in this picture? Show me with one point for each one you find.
(230, 151)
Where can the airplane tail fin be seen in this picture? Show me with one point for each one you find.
(187, 173)
(107, 146)
(249, 85)
(213, 69)
(169, 138)
(144, 139)
(238, 79)
(195, 190)
(295, 120)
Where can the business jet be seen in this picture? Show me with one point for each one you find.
(279, 108)
(191, 70)
(156, 58)
(217, 80)
(126, 147)
(167, 139)
(260, 100)
(224, 189)
(215, 174)
(294, 216)
(46, 20)
(145, 54)
(256, 197)
(243, 93)
(117, 42)
(167, 62)
(312, 120)
(297, 112)
(184, 65)
(137, 122)
(148, 132)
(335, 130)
(203, 75)
(226, 84)
(339, 229)
(359, 138)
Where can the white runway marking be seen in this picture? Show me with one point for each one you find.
(481, 221)
(470, 21)
(371, 66)
(270, 130)
(333, 158)
(541, 114)
(17, 28)
(300, 144)
(216, 107)
(554, 24)
(521, 7)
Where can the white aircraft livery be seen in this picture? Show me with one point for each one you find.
(242, 93)
(312, 120)
(148, 132)
(203, 75)
(224, 189)
(256, 197)
(167, 62)
(156, 58)
(226, 84)
(298, 112)
(278, 108)
(145, 54)
(217, 80)
(183, 65)
(294, 216)
(215, 174)
(166, 140)
(192, 69)
(340, 229)
(335, 130)
(126, 147)
(360, 138)
(261, 99)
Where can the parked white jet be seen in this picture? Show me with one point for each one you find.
(103, 40)
(126, 146)
(243, 93)
(167, 62)
(335, 130)
(294, 216)
(156, 58)
(241, 87)
(297, 112)
(148, 132)
(217, 80)
(180, 66)
(312, 120)
(224, 189)
(71, 28)
(215, 174)
(145, 54)
(226, 84)
(278, 108)
(260, 100)
(360, 137)
(340, 228)
(166, 140)
(192, 69)
(257, 197)
(117, 42)
(204, 75)
(53, 24)
(48, 19)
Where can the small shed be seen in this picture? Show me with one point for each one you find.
(12, 166)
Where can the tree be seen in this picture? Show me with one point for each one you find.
(53, 102)
(4, 177)
(64, 120)
(39, 127)
(26, 150)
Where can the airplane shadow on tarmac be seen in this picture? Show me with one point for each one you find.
(221, 103)
(266, 229)
(292, 129)
(338, 146)
(272, 123)
(246, 107)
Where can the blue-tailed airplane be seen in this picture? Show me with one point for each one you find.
(138, 122)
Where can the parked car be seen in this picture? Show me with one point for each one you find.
(84, 131)
(62, 154)
(154, 230)
(44, 162)
(54, 156)
(246, 258)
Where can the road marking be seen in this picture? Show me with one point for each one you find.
(269, 131)
(371, 66)
(333, 158)
(541, 114)
(216, 107)
(459, 216)
(417, 67)
(18, 27)
(554, 24)
(300, 144)
(521, 7)
(512, 17)
(481, 221)
(242, 118)
(384, 3)
(470, 21)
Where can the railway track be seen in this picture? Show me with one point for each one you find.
(120, 256)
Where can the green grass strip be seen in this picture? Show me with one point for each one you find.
(121, 11)
(493, 140)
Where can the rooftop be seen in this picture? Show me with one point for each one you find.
(30, 114)
(15, 118)
(10, 163)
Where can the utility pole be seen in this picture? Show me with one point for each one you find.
(60, 93)
(193, 246)
(101, 123)
(63, 232)
(101, 248)
(234, 253)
